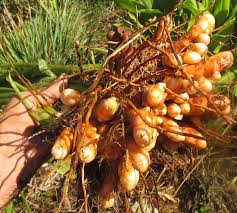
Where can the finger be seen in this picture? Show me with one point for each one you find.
(46, 97)
(53, 92)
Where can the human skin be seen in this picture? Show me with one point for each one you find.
(21, 156)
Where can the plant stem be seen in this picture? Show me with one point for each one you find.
(32, 70)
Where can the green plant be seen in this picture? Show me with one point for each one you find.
(140, 11)
(10, 208)
(47, 31)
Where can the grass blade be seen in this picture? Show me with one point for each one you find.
(26, 204)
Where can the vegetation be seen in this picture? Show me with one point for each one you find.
(37, 38)
(48, 30)
(34, 31)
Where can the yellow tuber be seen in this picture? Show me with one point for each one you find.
(202, 25)
(211, 21)
(204, 84)
(154, 95)
(203, 38)
(169, 126)
(88, 145)
(185, 108)
(198, 105)
(139, 156)
(128, 175)
(63, 145)
(160, 109)
(143, 134)
(174, 111)
(200, 48)
(70, 97)
(213, 65)
(106, 109)
(191, 57)
(195, 142)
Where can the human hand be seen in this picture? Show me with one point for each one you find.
(20, 156)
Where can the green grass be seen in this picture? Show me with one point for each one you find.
(48, 30)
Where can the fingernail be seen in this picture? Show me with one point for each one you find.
(63, 76)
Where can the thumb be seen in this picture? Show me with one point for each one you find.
(53, 92)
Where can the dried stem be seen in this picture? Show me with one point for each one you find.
(188, 175)
(122, 80)
(84, 186)
(64, 195)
